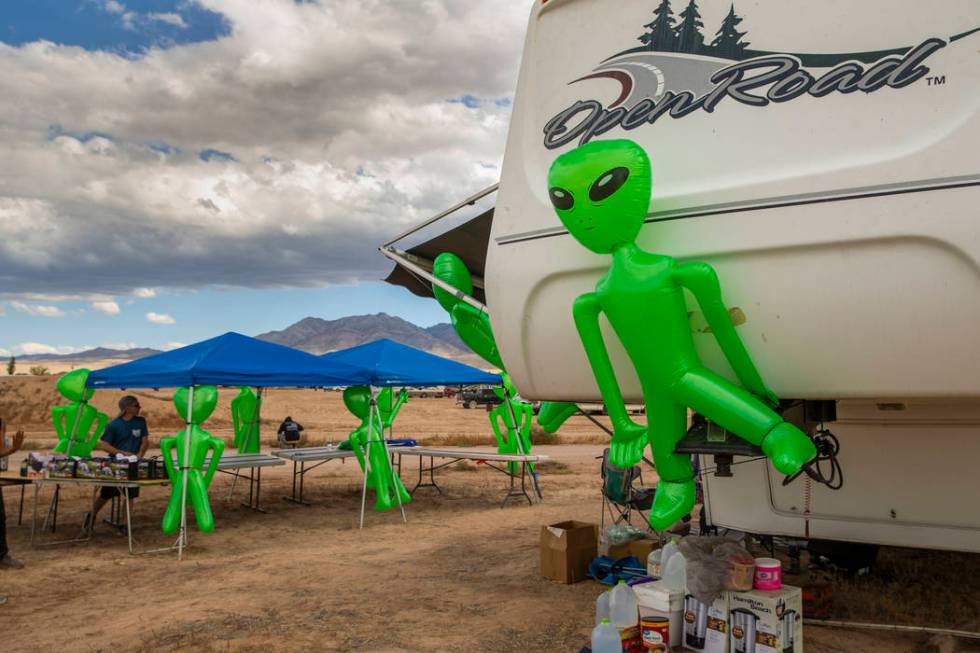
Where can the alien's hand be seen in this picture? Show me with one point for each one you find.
(628, 441)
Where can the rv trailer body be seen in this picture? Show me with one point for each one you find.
(823, 157)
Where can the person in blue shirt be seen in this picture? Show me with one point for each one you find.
(129, 435)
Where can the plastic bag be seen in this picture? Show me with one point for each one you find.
(620, 533)
(714, 564)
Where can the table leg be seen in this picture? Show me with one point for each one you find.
(20, 512)
(129, 520)
(34, 517)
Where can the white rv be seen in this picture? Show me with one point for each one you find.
(824, 157)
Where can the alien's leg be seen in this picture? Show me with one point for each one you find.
(377, 465)
(676, 491)
(171, 516)
(740, 412)
(197, 493)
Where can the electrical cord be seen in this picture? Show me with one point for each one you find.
(828, 448)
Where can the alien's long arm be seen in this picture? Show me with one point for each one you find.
(402, 399)
(167, 446)
(101, 420)
(701, 280)
(496, 415)
(217, 447)
(58, 418)
(554, 413)
(628, 439)
(473, 328)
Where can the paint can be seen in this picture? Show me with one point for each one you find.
(655, 632)
(768, 574)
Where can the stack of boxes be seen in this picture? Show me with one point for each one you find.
(754, 621)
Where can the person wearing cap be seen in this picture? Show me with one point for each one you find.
(127, 435)
(6, 562)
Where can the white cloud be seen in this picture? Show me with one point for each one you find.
(5, 353)
(109, 308)
(335, 115)
(144, 293)
(31, 348)
(120, 345)
(160, 318)
(173, 345)
(169, 18)
(38, 310)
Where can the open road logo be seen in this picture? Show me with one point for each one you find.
(675, 55)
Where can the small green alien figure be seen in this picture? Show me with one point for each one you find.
(375, 464)
(601, 193)
(245, 409)
(473, 328)
(201, 442)
(73, 422)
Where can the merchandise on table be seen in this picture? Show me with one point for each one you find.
(767, 621)
(706, 626)
(655, 633)
(768, 574)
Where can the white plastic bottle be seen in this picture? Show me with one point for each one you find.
(675, 573)
(653, 564)
(602, 607)
(605, 638)
(670, 550)
(624, 611)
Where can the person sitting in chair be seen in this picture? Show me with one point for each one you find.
(289, 432)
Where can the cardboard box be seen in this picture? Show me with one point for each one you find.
(567, 548)
(657, 600)
(639, 548)
(706, 626)
(767, 622)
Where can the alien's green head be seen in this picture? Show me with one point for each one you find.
(205, 401)
(601, 192)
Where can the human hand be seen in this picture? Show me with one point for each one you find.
(18, 441)
(628, 442)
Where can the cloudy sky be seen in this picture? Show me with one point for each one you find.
(172, 169)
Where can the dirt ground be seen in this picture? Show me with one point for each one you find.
(461, 575)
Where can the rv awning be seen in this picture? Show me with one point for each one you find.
(463, 230)
(390, 363)
(229, 360)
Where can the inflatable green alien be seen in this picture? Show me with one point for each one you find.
(245, 409)
(74, 422)
(601, 193)
(369, 447)
(473, 328)
(201, 443)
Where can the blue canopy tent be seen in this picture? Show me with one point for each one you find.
(229, 360)
(389, 363)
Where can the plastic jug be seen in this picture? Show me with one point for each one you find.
(623, 608)
(602, 607)
(675, 573)
(653, 564)
(605, 638)
(669, 551)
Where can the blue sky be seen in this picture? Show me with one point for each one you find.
(175, 169)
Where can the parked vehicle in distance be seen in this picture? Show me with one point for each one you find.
(471, 397)
(425, 393)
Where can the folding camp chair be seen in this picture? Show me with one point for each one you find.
(620, 497)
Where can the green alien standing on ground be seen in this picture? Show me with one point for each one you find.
(369, 445)
(601, 193)
(245, 410)
(201, 443)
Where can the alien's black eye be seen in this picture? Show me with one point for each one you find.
(608, 183)
(561, 198)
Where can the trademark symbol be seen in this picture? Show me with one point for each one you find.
(937, 80)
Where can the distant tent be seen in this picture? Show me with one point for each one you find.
(390, 363)
(229, 360)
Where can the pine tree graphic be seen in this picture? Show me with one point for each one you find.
(660, 34)
(728, 41)
(687, 36)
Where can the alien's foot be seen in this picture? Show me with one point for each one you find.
(672, 500)
(626, 449)
(788, 448)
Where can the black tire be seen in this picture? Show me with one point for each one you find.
(471, 404)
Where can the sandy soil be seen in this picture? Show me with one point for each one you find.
(461, 575)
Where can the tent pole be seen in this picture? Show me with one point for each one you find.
(394, 483)
(400, 259)
(520, 443)
(182, 542)
(370, 435)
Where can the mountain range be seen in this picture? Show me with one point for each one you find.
(318, 336)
